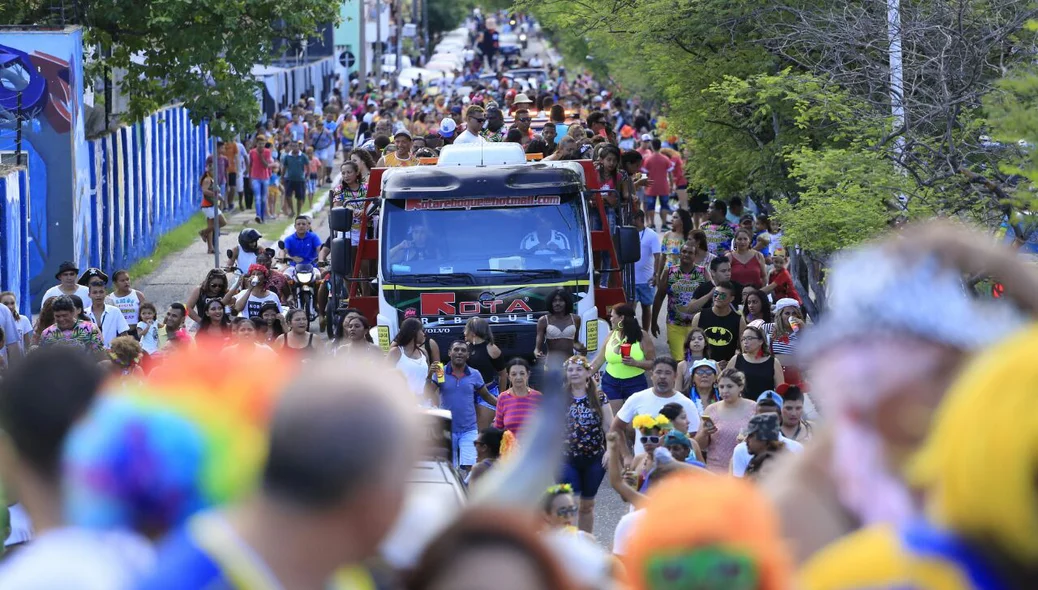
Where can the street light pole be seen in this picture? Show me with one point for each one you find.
(216, 202)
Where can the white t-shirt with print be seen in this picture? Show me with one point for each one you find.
(647, 402)
(253, 305)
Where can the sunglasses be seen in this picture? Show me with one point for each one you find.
(566, 511)
(96, 284)
(720, 295)
(478, 443)
(651, 439)
(704, 371)
(524, 119)
(478, 119)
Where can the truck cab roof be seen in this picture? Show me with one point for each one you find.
(447, 182)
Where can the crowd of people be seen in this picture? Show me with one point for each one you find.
(225, 444)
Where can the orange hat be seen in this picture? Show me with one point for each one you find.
(627, 132)
(734, 520)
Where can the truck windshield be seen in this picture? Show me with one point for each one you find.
(484, 240)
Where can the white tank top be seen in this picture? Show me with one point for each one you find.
(130, 305)
(245, 260)
(416, 371)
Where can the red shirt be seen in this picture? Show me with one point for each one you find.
(257, 170)
(657, 166)
(679, 171)
(783, 286)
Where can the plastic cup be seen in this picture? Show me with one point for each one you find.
(625, 350)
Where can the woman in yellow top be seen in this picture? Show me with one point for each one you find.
(627, 354)
(978, 470)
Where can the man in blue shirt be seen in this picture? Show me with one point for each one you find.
(458, 392)
(302, 247)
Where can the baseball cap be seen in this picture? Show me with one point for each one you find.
(770, 395)
(403, 132)
(456, 110)
(708, 363)
(676, 438)
(646, 137)
(765, 426)
(447, 127)
(626, 131)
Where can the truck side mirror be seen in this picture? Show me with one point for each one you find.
(342, 257)
(628, 246)
(340, 219)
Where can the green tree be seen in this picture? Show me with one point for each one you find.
(196, 52)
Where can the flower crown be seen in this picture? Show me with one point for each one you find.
(578, 359)
(562, 488)
(646, 422)
(119, 361)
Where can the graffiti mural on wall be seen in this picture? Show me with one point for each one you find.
(42, 71)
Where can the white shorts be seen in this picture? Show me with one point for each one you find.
(327, 155)
(209, 212)
(464, 447)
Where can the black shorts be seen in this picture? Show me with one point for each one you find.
(698, 202)
(232, 179)
(296, 186)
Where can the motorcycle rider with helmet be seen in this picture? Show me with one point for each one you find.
(244, 254)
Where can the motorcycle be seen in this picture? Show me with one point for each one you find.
(304, 287)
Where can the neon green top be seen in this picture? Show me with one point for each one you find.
(614, 361)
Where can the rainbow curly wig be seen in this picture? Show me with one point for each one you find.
(733, 523)
(982, 484)
(193, 434)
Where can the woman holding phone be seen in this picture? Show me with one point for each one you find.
(627, 354)
(722, 421)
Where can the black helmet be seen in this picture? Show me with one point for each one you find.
(248, 239)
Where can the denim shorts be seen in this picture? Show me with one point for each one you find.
(494, 390)
(585, 474)
(621, 389)
(650, 203)
(644, 293)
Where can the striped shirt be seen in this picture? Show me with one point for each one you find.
(785, 345)
(513, 410)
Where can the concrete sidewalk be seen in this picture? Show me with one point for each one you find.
(179, 273)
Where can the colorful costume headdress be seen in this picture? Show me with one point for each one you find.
(192, 435)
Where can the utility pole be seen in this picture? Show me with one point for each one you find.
(378, 35)
(362, 64)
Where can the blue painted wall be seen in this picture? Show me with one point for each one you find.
(100, 203)
(14, 236)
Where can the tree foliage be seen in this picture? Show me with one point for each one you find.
(789, 102)
(196, 52)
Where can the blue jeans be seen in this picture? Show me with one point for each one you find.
(259, 192)
(585, 474)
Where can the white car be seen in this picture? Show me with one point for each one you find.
(408, 77)
(447, 69)
(389, 62)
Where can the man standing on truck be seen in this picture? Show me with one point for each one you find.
(458, 389)
(402, 156)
